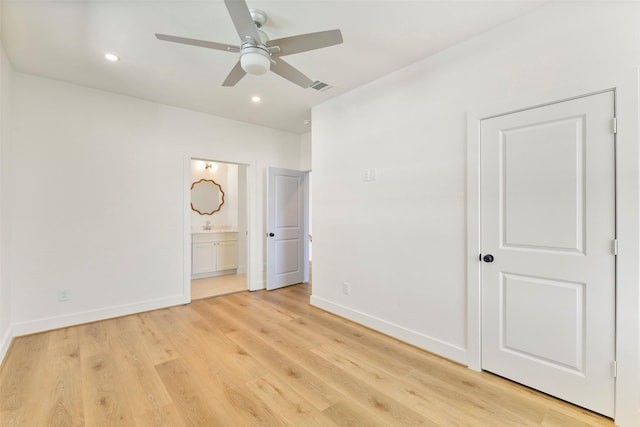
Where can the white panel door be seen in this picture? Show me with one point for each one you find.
(548, 221)
(286, 229)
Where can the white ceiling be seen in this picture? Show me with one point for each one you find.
(66, 40)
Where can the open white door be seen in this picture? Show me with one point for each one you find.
(548, 239)
(286, 228)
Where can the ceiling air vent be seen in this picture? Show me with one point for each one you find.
(321, 86)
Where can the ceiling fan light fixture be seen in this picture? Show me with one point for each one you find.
(255, 60)
(258, 54)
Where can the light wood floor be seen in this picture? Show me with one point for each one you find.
(261, 358)
(216, 286)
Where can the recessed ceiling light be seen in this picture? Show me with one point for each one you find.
(256, 99)
(111, 57)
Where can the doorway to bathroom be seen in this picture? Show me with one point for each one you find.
(219, 226)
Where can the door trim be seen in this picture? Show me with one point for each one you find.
(626, 95)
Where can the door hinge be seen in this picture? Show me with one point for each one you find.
(614, 125)
(615, 246)
(614, 369)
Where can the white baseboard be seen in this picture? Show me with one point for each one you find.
(425, 342)
(49, 323)
(5, 343)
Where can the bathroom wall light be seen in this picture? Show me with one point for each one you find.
(211, 166)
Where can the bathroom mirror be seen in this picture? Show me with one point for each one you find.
(207, 197)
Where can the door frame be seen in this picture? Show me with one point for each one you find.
(251, 214)
(627, 158)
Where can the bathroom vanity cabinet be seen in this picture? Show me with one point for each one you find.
(214, 253)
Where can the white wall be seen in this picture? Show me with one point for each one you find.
(401, 241)
(99, 198)
(5, 292)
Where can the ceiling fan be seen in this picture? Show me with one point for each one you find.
(258, 54)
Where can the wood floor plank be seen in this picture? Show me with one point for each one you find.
(207, 350)
(157, 347)
(66, 404)
(273, 312)
(222, 369)
(221, 319)
(248, 409)
(20, 374)
(292, 408)
(105, 392)
(305, 327)
(555, 418)
(378, 402)
(145, 390)
(167, 416)
(428, 403)
(348, 414)
(253, 359)
(312, 388)
(214, 400)
(190, 396)
(94, 338)
(432, 400)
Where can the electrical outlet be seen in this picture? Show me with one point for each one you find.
(346, 288)
(63, 294)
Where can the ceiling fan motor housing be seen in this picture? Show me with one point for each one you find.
(254, 59)
(258, 16)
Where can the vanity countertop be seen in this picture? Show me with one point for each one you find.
(215, 231)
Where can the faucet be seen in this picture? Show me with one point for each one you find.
(207, 225)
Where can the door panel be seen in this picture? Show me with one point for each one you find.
(525, 333)
(289, 259)
(287, 201)
(548, 218)
(543, 209)
(286, 221)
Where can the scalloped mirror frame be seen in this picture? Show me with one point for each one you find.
(202, 191)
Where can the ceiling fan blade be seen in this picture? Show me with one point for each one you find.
(305, 42)
(234, 76)
(200, 43)
(283, 69)
(242, 20)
